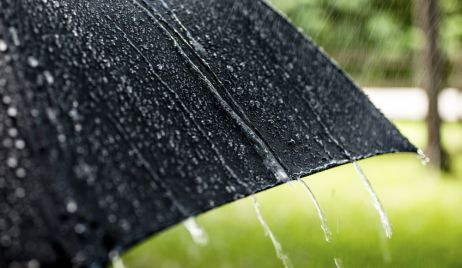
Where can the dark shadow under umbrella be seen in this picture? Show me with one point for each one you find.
(122, 118)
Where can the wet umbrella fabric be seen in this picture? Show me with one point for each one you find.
(122, 118)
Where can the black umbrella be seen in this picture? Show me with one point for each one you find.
(121, 118)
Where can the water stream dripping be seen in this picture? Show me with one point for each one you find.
(322, 217)
(198, 234)
(385, 248)
(422, 157)
(116, 260)
(277, 246)
(375, 200)
(338, 263)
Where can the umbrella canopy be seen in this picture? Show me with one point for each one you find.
(121, 118)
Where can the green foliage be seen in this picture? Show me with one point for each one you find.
(375, 40)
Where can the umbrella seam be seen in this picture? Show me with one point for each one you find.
(181, 104)
(270, 159)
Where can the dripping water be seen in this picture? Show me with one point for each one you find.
(422, 157)
(116, 260)
(375, 200)
(385, 248)
(277, 246)
(338, 263)
(324, 225)
(198, 234)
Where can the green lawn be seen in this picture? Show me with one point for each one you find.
(425, 209)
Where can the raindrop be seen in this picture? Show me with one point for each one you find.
(324, 225)
(277, 246)
(14, 36)
(12, 112)
(32, 61)
(422, 157)
(20, 192)
(278, 171)
(7, 143)
(12, 162)
(375, 201)
(338, 262)
(195, 230)
(12, 132)
(71, 206)
(20, 173)
(3, 46)
(6, 100)
(20, 144)
(33, 264)
(80, 228)
(230, 68)
(62, 138)
(116, 260)
(49, 77)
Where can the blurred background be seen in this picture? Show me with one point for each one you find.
(407, 56)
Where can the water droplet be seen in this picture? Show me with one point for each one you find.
(197, 233)
(12, 162)
(277, 246)
(12, 112)
(20, 173)
(116, 260)
(32, 61)
(422, 157)
(20, 192)
(49, 77)
(338, 263)
(62, 138)
(20, 144)
(14, 36)
(6, 99)
(33, 264)
(12, 132)
(230, 68)
(3, 46)
(80, 228)
(375, 201)
(278, 171)
(71, 206)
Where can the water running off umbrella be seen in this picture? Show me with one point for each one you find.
(116, 260)
(375, 201)
(197, 233)
(200, 237)
(277, 246)
(324, 225)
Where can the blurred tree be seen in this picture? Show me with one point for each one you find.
(375, 40)
(431, 64)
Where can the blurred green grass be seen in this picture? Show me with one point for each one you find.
(425, 209)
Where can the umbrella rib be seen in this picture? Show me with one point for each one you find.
(181, 104)
(270, 159)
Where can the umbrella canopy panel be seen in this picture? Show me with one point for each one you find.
(122, 118)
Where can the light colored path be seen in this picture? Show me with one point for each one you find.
(411, 103)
